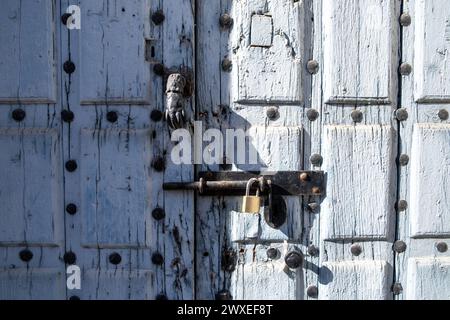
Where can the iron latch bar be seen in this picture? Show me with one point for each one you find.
(284, 183)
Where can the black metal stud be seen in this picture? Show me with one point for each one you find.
(316, 160)
(70, 257)
(64, 18)
(71, 165)
(69, 67)
(313, 251)
(405, 69)
(26, 255)
(158, 214)
(312, 292)
(403, 160)
(67, 116)
(159, 69)
(357, 116)
(399, 246)
(397, 288)
(442, 247)
(402, 205)
(401, 114)
(443, 115)
(272, 253)
(159, 164)
(71, 209)
(312, 66)
(356, 250)
(156, 115)
(405, 19)
(158, 17)
(272, 113)
(225, 21)
(293, 259)
(224, 295)
(227, 65)
(115, 258)
(312, 114)
(157, 259)
(18, 115)
(112, 116)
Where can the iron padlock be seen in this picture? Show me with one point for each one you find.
(251, 204)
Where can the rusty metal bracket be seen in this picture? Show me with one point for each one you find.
(283, 183)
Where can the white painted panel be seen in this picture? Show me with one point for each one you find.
(356, 280)
(360, 48)
(360, 166)
(277, 148)
(27, 37)
(30, 188)
(115, 187)
(429, 183)
(428, 279)
(258, 278)
(112, 52)
(432, 51)
(268, 60)
(32, 284)
(120, 284)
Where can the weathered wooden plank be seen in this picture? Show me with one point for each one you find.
(31, 74)
(431, 46)
(360, 51)
(258, 278)
(356, 280)
(268, 49)
(178, 49)
(31, 198)
(430, 168)
(360, 164)
(32, 284)
(113, 62)
(428, 279)
(424, 140)
(115, 183)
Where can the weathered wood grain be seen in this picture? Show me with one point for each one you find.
(360, 51)
(357, 280)
(360, 198)
(428, 279)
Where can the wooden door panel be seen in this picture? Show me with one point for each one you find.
(31, 200)
(357, 280)
(29, 56)
(432, 46)
(360, 51)
(358, 56)
(361, 183)
(270, 39)
(110, 202)
(428, 278)
(113, 52)
(422, 268)
(429, 180)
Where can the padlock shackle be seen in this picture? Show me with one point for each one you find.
(250, 183)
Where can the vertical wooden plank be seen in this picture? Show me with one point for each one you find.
(422, 265)
(31, 193)
(265, 40)
(178, 47)
(358, 139)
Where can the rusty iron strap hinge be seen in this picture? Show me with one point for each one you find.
(284, 183)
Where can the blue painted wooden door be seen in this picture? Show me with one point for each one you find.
(356, 88)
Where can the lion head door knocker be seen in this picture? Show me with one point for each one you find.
(175, 89)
